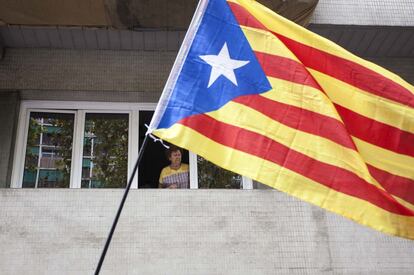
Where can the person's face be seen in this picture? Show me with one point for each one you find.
(175, 158)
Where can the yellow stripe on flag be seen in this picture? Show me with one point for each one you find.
(316, 147)
(301, 96)
(405, 203)
(283, 26)
(266, 42)
(369, 105)
(290, 182)
(393, 163)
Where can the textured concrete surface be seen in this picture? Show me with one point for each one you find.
(132, 76)
(367, 12)
(82, 70)
(188, 232)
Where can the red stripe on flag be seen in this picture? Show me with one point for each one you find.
(286, 69)
(244, 18)
(337, 67)
(367, 129)
(261, 146)
(349, 72)
(298, 118)
(362, 127)
(395, 185)
(377, 133)
(273, 65)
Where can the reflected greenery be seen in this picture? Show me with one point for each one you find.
(212, 176)
(51, 133)
(107, 139)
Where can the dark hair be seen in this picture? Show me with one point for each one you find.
(172, 149)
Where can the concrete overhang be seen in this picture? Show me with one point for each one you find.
(127, 14)
(365, 41)
(367, 28)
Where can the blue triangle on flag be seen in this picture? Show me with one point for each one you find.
(191, 94)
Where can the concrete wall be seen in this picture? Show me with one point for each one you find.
(107, 75)
(86, 74)
(47, 74)
(9, 110)
(367, 12)
(187, 232)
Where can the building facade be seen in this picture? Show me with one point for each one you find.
(74, 104)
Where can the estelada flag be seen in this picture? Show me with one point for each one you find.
(263, 97)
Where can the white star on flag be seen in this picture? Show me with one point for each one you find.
(222, 64)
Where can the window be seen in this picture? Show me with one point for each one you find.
(48, 150)
(212, 176)
(105, 150)
(95, 145)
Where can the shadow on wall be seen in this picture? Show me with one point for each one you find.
(128, 14)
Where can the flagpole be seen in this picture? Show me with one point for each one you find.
(121, 205)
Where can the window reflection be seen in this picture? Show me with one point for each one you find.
(49, 150)
(105, 151)
(258, 185)
(212, 176)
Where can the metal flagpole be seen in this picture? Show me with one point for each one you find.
(121, 205)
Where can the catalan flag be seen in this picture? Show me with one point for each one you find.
(263, 97)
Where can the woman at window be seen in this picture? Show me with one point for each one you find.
(175, 175)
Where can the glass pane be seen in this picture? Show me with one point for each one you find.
(29, 178)
(49, 178)
(49, 150)
(105, 151)
(85, 183)
(258, 185)
(212, 176)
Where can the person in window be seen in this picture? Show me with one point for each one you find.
(175, 175)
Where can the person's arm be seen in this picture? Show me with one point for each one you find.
(160, 181)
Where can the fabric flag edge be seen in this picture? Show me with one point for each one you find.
(178, 64)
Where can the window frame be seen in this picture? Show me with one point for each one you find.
(21, 155)
(78, 146)
(80, 109)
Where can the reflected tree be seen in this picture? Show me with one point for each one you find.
(212, 176)
(51, 133)
(32, 148)
(110, 150)
(61, 136)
